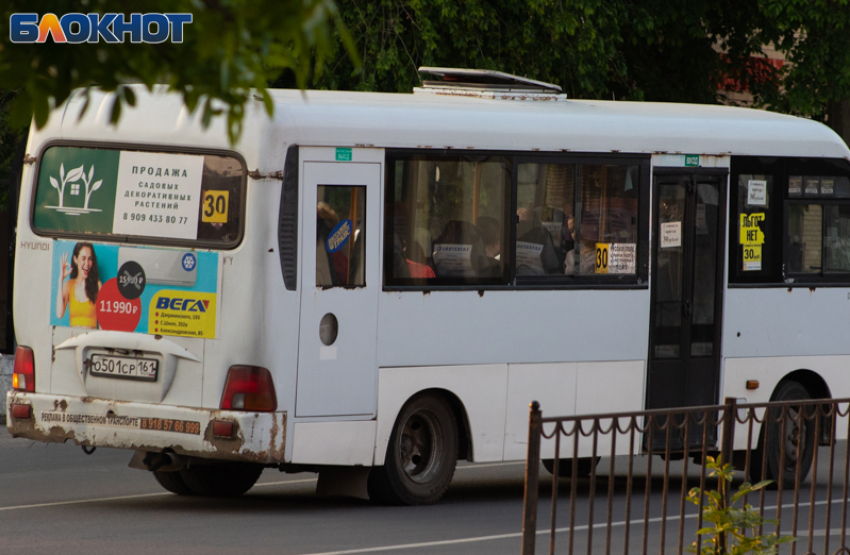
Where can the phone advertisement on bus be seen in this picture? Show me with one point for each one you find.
(143, 290)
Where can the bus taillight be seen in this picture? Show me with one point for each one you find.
(23, 377)
(249, 388)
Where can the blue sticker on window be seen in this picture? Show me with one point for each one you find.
(339, 236)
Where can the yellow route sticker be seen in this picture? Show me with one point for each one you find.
(615, 258)
(752, 258)
(214, 210)
(751, 233)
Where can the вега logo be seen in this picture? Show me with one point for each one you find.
(186, 305)
(77, 28)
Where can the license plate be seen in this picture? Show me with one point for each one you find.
(114, 366)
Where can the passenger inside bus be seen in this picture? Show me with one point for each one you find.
(535, 248)
(587, 260)
(561, 237)
(492, 235)
(459, 251)
(409, 258)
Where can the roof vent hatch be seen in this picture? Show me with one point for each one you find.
(485, 83)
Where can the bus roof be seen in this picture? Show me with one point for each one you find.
(349, 119)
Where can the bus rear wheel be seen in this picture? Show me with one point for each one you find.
(799, 435)
(421, 456)
(228, 479)
(173, 482)
(565, 467)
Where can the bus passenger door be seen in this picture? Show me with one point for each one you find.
(337, 371)
(686, 288)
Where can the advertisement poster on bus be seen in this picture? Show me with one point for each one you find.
(144, 290)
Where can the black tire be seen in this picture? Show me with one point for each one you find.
(798, 431)
(173, 482)
(228, 479)
(565, 467)
(421, 455)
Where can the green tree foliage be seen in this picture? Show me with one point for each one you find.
(10, 141)
(813, 37)
(576, 44)
(623, 49)
(231, 50)
(592, 48)
(9, 136)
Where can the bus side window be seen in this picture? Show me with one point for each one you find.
(790, 221)
(444, 220)
(340, 236)
(459, 251)
(568, 214)
(817, 245)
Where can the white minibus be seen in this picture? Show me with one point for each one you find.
(373, 286)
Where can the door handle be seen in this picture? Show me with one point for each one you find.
(687, 309)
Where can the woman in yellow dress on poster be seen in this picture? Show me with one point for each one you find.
(79, 293)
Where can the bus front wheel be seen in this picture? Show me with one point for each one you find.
(421, 456)
(797, 439)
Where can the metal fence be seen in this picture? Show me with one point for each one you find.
(627, 475)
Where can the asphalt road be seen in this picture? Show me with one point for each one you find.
(56, 499)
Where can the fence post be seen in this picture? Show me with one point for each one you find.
(730, 415)
(729, 418)
(532, 471)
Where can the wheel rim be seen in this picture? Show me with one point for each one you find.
(795, 434)
(419, 446)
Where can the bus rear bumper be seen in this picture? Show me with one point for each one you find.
(258, 437)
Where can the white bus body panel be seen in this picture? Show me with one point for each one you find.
(771, 332)
(349, 443)
(787, 322)
(767, 370)
(568, 389)
(468, 327)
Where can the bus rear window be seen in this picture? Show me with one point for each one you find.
(140, 196)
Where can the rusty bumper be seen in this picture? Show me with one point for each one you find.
(259, 437)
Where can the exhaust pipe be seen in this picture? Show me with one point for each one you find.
(165, 461)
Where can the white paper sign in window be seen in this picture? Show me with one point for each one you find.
(158, 195)
(622, 258)
(671, 235)
(453, 260)
(528, 254)
(756, 193)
